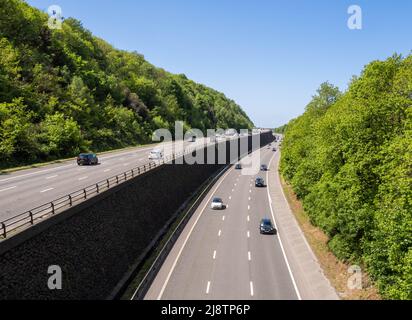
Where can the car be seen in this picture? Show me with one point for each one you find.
(87, 159)
(217, 204)
(274, 149)
(259, 182)
(263, 167)
(191, 139)
(156, 154)
(238, 166)
(266, 227)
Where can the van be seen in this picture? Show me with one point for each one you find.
(156, 154)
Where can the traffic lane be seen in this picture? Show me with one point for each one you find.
(235, 276)
(29, 174)
(198, 273)
(89, 174)
(30, 194)
(191, 274)
(230, 277)
(33, 174)
(270, 273)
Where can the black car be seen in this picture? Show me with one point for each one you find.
(259, 182)
(266, 227)
(274, 149)
(238, 166)
(87, 159)
(263, 167)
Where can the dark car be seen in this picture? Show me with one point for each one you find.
(274, 149)
(259, 182)
(238, 166)
(266, 227)
(263, 167)
(87, 159)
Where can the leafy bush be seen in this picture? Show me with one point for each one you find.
(349, 158)
(103, 98)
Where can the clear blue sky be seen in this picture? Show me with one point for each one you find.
(268, 55)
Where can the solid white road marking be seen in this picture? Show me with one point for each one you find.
(188, 236)
(280, 240)
(52, 177)
(208, 287)
(49, 189)
(14, 187)
(251, 289)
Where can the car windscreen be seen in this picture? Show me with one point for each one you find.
(218, 200)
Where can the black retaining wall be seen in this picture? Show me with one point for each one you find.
(96, 242)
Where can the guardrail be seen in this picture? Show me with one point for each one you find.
(33, 216)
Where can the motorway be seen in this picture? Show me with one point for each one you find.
(221, 255)
(24, 190)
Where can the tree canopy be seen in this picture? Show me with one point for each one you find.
(349, 158)
(64, 90)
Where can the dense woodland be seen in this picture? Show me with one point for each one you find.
(66, 91)
(349, 158)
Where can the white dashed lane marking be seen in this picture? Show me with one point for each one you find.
(208, 287)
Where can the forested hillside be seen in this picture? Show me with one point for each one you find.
(349, 158)
(65, 91)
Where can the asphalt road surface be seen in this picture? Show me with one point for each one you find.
(221, 255)
(24, 190)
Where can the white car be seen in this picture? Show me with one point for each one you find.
(217, 204)
(156, 154)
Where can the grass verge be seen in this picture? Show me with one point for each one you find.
(335, 270)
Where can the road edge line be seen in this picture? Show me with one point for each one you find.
(279, 237)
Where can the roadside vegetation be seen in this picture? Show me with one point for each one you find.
(348, 158)
(66, 91)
